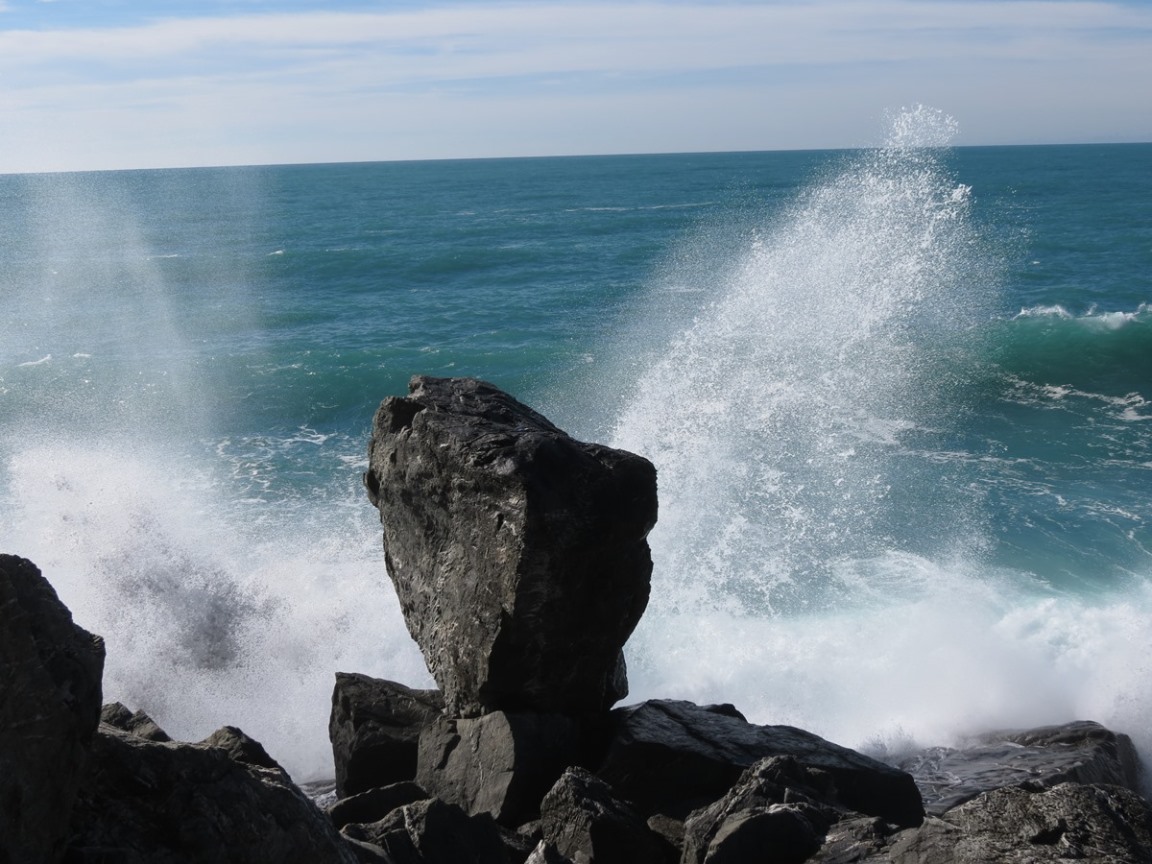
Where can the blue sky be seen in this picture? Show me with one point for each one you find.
(93, 84)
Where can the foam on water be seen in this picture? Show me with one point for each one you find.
(808, 567)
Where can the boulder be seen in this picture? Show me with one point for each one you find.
(518, 553)
(137, 722)
(583, 820)
(498, 764)
(148, 802)
(50, 680)
(431, 832)
(375, 729)
(778, 805)
(1080, 752)
(673, 757)
(375, 804)
(1090, 823)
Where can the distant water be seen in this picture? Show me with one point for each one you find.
(900, 402)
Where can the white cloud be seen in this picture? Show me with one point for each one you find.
(567, 77)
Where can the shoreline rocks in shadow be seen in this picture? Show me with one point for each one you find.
(522, 566)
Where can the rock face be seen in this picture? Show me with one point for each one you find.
(374, 729)
(1082, 752)
(519, 554)
(50, 676)
(671, 757)
(175, 803)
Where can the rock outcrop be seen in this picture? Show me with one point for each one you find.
(375, 728)
(518, 553)
(50, 694)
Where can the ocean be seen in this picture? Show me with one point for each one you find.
(899, 400)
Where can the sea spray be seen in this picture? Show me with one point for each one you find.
(826, 556)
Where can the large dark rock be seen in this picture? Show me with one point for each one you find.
(519, 554)
(375, 804)
(431, 832)
(499, 764)
(673, 757)
(375, 729)
(777, 806)
(137, 722)
(148, 802)
(1080, 752)
(50, 671)
(583, 820)
(1091, 823)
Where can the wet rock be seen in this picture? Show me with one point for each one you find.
(175, 803)
(583, 820)
(1091, 823)
(778, 806)
(50, 680)
(374, 804)
(673, 757)
(375, 729)
(499, 764)
(1080, 752)
(432, 832)
(519, 554)
(136, 722)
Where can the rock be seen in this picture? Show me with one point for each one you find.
(146, 802)
(242, 748)
(136, 722)
(777, 805)
(1080, 752)
(1090, 823)
(375, 804)
(584, 821)
(432, 832)
(499, 764)
(673, 757)
(546, 853)
(519, 554)
(50, 695)
(375, 729)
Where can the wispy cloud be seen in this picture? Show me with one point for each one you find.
(401, 78)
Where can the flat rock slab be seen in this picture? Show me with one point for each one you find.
(518, 553)
(672, 757)
(1080, 752)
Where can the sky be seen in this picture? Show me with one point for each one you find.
(106, 84)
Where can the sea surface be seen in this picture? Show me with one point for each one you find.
(899, 400)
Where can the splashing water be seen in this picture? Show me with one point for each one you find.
(809, 566)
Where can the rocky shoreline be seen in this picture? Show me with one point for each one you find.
(520, 559)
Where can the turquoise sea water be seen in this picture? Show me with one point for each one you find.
(900, 402)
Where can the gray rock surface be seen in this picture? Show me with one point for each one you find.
(432, 832)
(375, 729)
(147, 802)
(137, 722)
(1080, 752)
(499, 764)
(518, 553)
(673, 757)
(375, 804)
(583, 820)
(50, 677)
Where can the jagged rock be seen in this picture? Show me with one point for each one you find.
(1080, 752)
(375, 729)
(777, 805)
(584, 821)
(673, 757)
(1091, 823)
(499, 764)
(375, 804)
(546, 853)
(136, 722)
(519, 554)
(49, 710)
(432, 832)
(146, 802)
